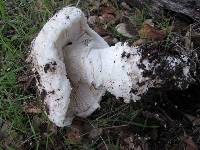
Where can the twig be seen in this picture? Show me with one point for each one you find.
(25, 141)
(78, 3)
(119, 126)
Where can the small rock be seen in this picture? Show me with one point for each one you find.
(126, 30)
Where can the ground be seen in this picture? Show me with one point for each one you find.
(161, 120)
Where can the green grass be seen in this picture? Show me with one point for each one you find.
(139, 17)
(20, 21)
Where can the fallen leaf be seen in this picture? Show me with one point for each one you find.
(151, 33)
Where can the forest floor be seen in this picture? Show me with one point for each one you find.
(162, 120)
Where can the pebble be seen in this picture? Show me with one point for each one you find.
(121, 28)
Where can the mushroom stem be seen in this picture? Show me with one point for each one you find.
(122, 71)
(117, 71)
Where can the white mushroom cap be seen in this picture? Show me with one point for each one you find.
(64, 28)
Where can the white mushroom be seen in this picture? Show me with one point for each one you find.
(75, 67)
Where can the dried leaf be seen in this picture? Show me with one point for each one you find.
(151, 33)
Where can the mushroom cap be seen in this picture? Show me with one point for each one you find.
(65, 94)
